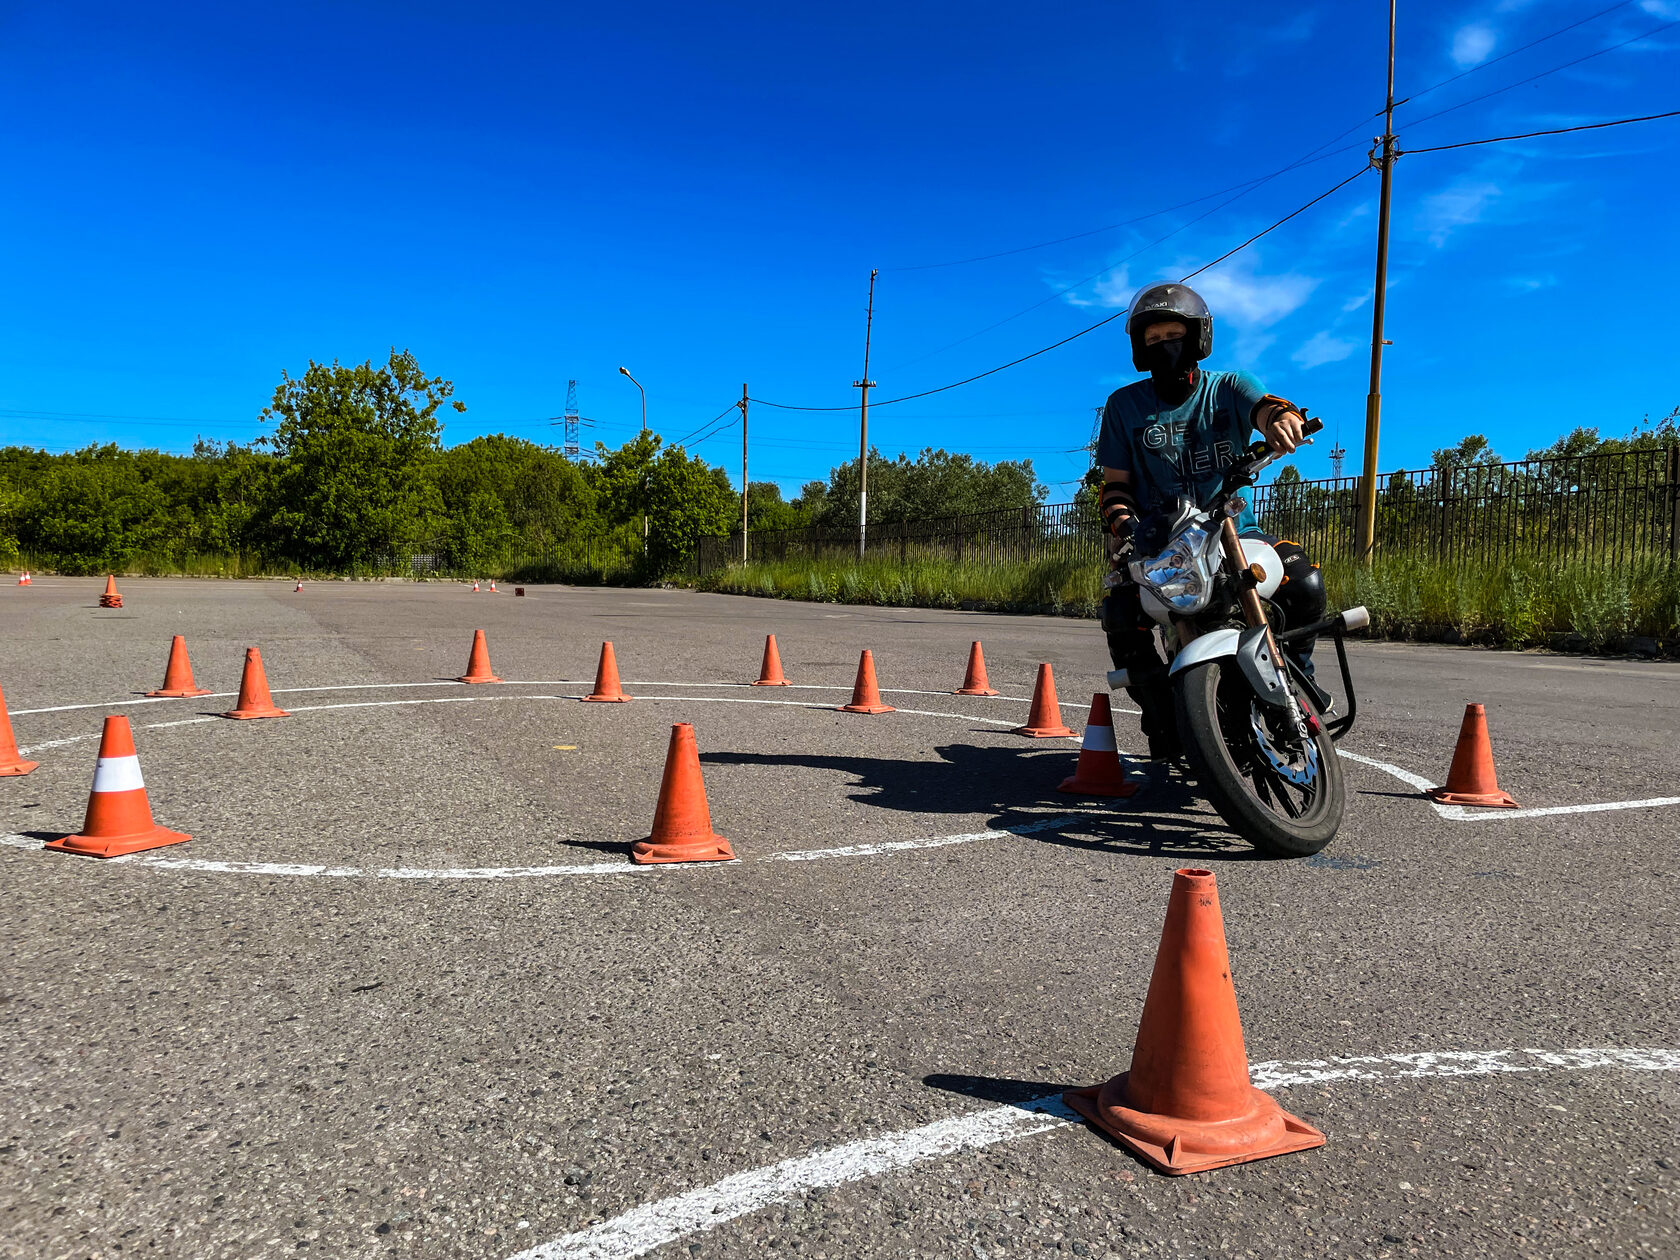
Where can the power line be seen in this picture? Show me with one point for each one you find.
(1656, 30)
(1083, 331)
(1533, 43)
(1554, 131)
(720, 415)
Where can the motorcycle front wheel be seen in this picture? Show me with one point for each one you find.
(1261, 800)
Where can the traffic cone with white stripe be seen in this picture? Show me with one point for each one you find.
(25, 580)
(119, 817)
(475, 588)
(11, 760)
(493, 589)
(298, 587)
(1099, 772)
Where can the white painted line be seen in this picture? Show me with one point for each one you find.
(585, 870)
(1465, 813)
(642, 1229)
(933, 842)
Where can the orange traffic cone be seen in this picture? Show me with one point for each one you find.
(607, 689)
(475, 588)
(178, 675)
(24, 579)
(110, 599)
(866, 696)
(975, 682)
(119, 817)
(11, 761)
(1099, 772)
(770, 674)
(682, 824)
(493, 589)
(1187, 1104)
(298, 587)
(254, 700)
(1045, 720)
(478, 662)
(1470, 780)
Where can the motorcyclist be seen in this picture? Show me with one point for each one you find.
(1170, 435)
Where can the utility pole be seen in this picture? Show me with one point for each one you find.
(1367, 532)
(743, 405)
(863, 429)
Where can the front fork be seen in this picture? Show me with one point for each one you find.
(1248, 597)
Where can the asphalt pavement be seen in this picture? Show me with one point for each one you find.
(399, 996)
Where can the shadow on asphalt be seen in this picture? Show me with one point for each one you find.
(998, 1089)
(1008, 783)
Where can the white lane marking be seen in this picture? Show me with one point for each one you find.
(1454, 1063)
(933, 842)
(1464, 813)
(652, 1225)
(589, 869)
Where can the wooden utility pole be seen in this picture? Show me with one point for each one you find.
(743, 406)
(1367, 533)
(863, 425)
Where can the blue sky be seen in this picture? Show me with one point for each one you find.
(202, 196)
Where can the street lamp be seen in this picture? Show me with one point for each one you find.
(625, 372)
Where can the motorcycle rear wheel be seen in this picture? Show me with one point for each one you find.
(1278, 818)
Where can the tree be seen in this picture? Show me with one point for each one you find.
(1471, 452)
(353, 444)
(936, 483)
(767, 510)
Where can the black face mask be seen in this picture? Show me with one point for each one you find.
(1172, 368)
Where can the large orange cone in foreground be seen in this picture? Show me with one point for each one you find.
(1099, 772)
(975, 683)
(682, 824)
(478, 662)
(1045, 720)
(607, 688)
(770, 674)
(254, 700)
(866, 696)
(119, 817)
(11, 761)
(110, 599)
(1186, 1105)
(1470, 780)
(178, 675)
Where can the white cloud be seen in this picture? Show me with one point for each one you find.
(1239, 295)
(1458, 205)
(1471, 44)
(1528, 284)
(1354, 303)
(1322, 348)
(1112, 291)
(1661, 8)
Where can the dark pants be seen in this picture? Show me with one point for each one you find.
(1131, 640)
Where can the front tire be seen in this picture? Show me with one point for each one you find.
(1279, 818)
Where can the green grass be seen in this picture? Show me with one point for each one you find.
(1515, 604)
(1049, 585)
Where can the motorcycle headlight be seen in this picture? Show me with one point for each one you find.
(1179, 576)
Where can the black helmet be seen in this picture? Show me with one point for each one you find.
(1160, 303)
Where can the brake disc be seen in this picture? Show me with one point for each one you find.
(1299, 768)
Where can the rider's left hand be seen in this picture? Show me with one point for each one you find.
(1284, 433)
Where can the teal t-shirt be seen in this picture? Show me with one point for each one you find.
(1182, 450)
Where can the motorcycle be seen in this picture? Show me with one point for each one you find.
(1258, 732)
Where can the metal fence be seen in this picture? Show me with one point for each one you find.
(1604, 507)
